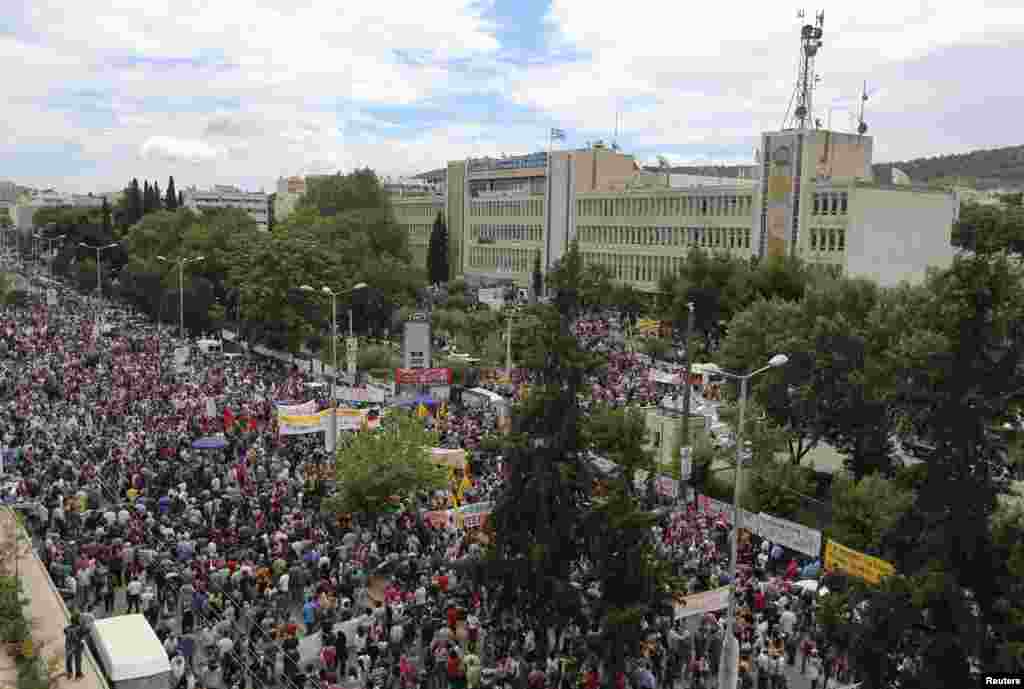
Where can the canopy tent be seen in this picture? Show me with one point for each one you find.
(492, 397)
(210, 443)
(416, 401)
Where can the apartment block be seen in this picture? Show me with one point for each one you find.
(416, 213)
(256, 204)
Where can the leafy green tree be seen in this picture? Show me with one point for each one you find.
(171, 201)
(157, 202)
(437, 252)
(181, 200)
(778, 489)
(105, 209)
(147, 198)
(989, 228)
(332, 195)
(619, 434)
(373, 466)
(864, 511)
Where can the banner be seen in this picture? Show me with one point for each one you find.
(664, 377)
(423, 376)
(350, 394)
(348, 420)
(497, 376)
(475, 515)
(448, 458)
(304, 409)
(855, 563)
(701, 603)
(751, 521)
(789, 534)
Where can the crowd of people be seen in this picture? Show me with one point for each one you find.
(223, 547)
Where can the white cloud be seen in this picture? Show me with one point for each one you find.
(170, 149)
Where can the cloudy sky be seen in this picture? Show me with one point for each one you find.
(236, 92)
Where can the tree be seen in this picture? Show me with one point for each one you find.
(147, 197)
(337, 194)
(537, 282)
(990, 229)
(157, 203)
(437, 252)
(373, 466)
(171, 202)
(107, 229)
(864, 511)
(135, 206)
(181, 199)
(618, 434)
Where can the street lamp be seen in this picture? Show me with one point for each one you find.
(99, 281)
(728, 665)
(334, 294)
(182, 262)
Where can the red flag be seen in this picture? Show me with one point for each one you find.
(229, 419)
(252, 424)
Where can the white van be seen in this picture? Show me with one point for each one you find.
(130, 653)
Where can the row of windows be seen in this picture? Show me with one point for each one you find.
(663, 207)
(419, 233)
(828, 239)
(507, 233)
(511, 208)
(501, 260)
(635, 268)
(416, 210)
(830, 203)
(714, 237)
(831, 269)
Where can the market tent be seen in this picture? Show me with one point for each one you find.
(210, 443)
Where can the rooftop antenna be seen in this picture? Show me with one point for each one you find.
(803, 92)
(862, 126)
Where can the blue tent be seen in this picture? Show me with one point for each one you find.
(417, 401)
(210, 443)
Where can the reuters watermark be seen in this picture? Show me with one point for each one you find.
(1002, 680)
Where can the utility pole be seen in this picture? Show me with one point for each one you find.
(687, 389)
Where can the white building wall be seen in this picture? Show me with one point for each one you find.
(256, 204)
(895, 236)
(560, 209)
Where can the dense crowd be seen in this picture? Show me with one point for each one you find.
(222, 545)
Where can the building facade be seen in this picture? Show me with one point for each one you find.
(810, 196)
(256, 204)
(416, 214)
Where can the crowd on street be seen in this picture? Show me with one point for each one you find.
(158, 486)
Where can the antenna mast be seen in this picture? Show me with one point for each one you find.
(810, 42)
(862, 126)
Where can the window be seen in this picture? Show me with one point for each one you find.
(835, 203)
(814, 237)
(841, 239)
(842, 202)
(831, 239)
(817, 204)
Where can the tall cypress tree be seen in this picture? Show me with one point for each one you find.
(538, 276)
(437, 252)
(158, 201)
(134, 202)
(147, 197)
(181, 199)
(105, 211)
(171, 202)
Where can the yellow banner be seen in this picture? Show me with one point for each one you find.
(855, 563)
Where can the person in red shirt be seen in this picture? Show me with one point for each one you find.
(536, 679)
(442, 583)
(453, 617)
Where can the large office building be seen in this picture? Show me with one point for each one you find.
(416, 213)
(810, 195)
(256, 204)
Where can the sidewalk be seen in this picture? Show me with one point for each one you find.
(49, 615)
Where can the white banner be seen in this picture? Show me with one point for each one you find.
(351, 394)
(664, 377)
(789, 534)
(304, 409)
(348, 420)
(701, 603)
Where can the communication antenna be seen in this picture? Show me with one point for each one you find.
(806, 80)
(862, 126)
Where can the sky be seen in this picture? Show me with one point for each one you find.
(241, 93)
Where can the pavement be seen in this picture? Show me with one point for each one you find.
(49, 615)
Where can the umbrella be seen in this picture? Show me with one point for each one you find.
(210, 443)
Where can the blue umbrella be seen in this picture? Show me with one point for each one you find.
(210, 443)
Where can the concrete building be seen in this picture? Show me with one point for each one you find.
(289, 191)
(256, 204)
(416, 214)
(810, 195)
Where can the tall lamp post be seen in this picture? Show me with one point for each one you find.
(334, 294)
(729, 664)
(182, 262)
(99, 280)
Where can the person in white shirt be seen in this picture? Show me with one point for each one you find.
(814, 668)
(787, 621)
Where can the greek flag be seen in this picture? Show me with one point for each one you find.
(557, 134)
